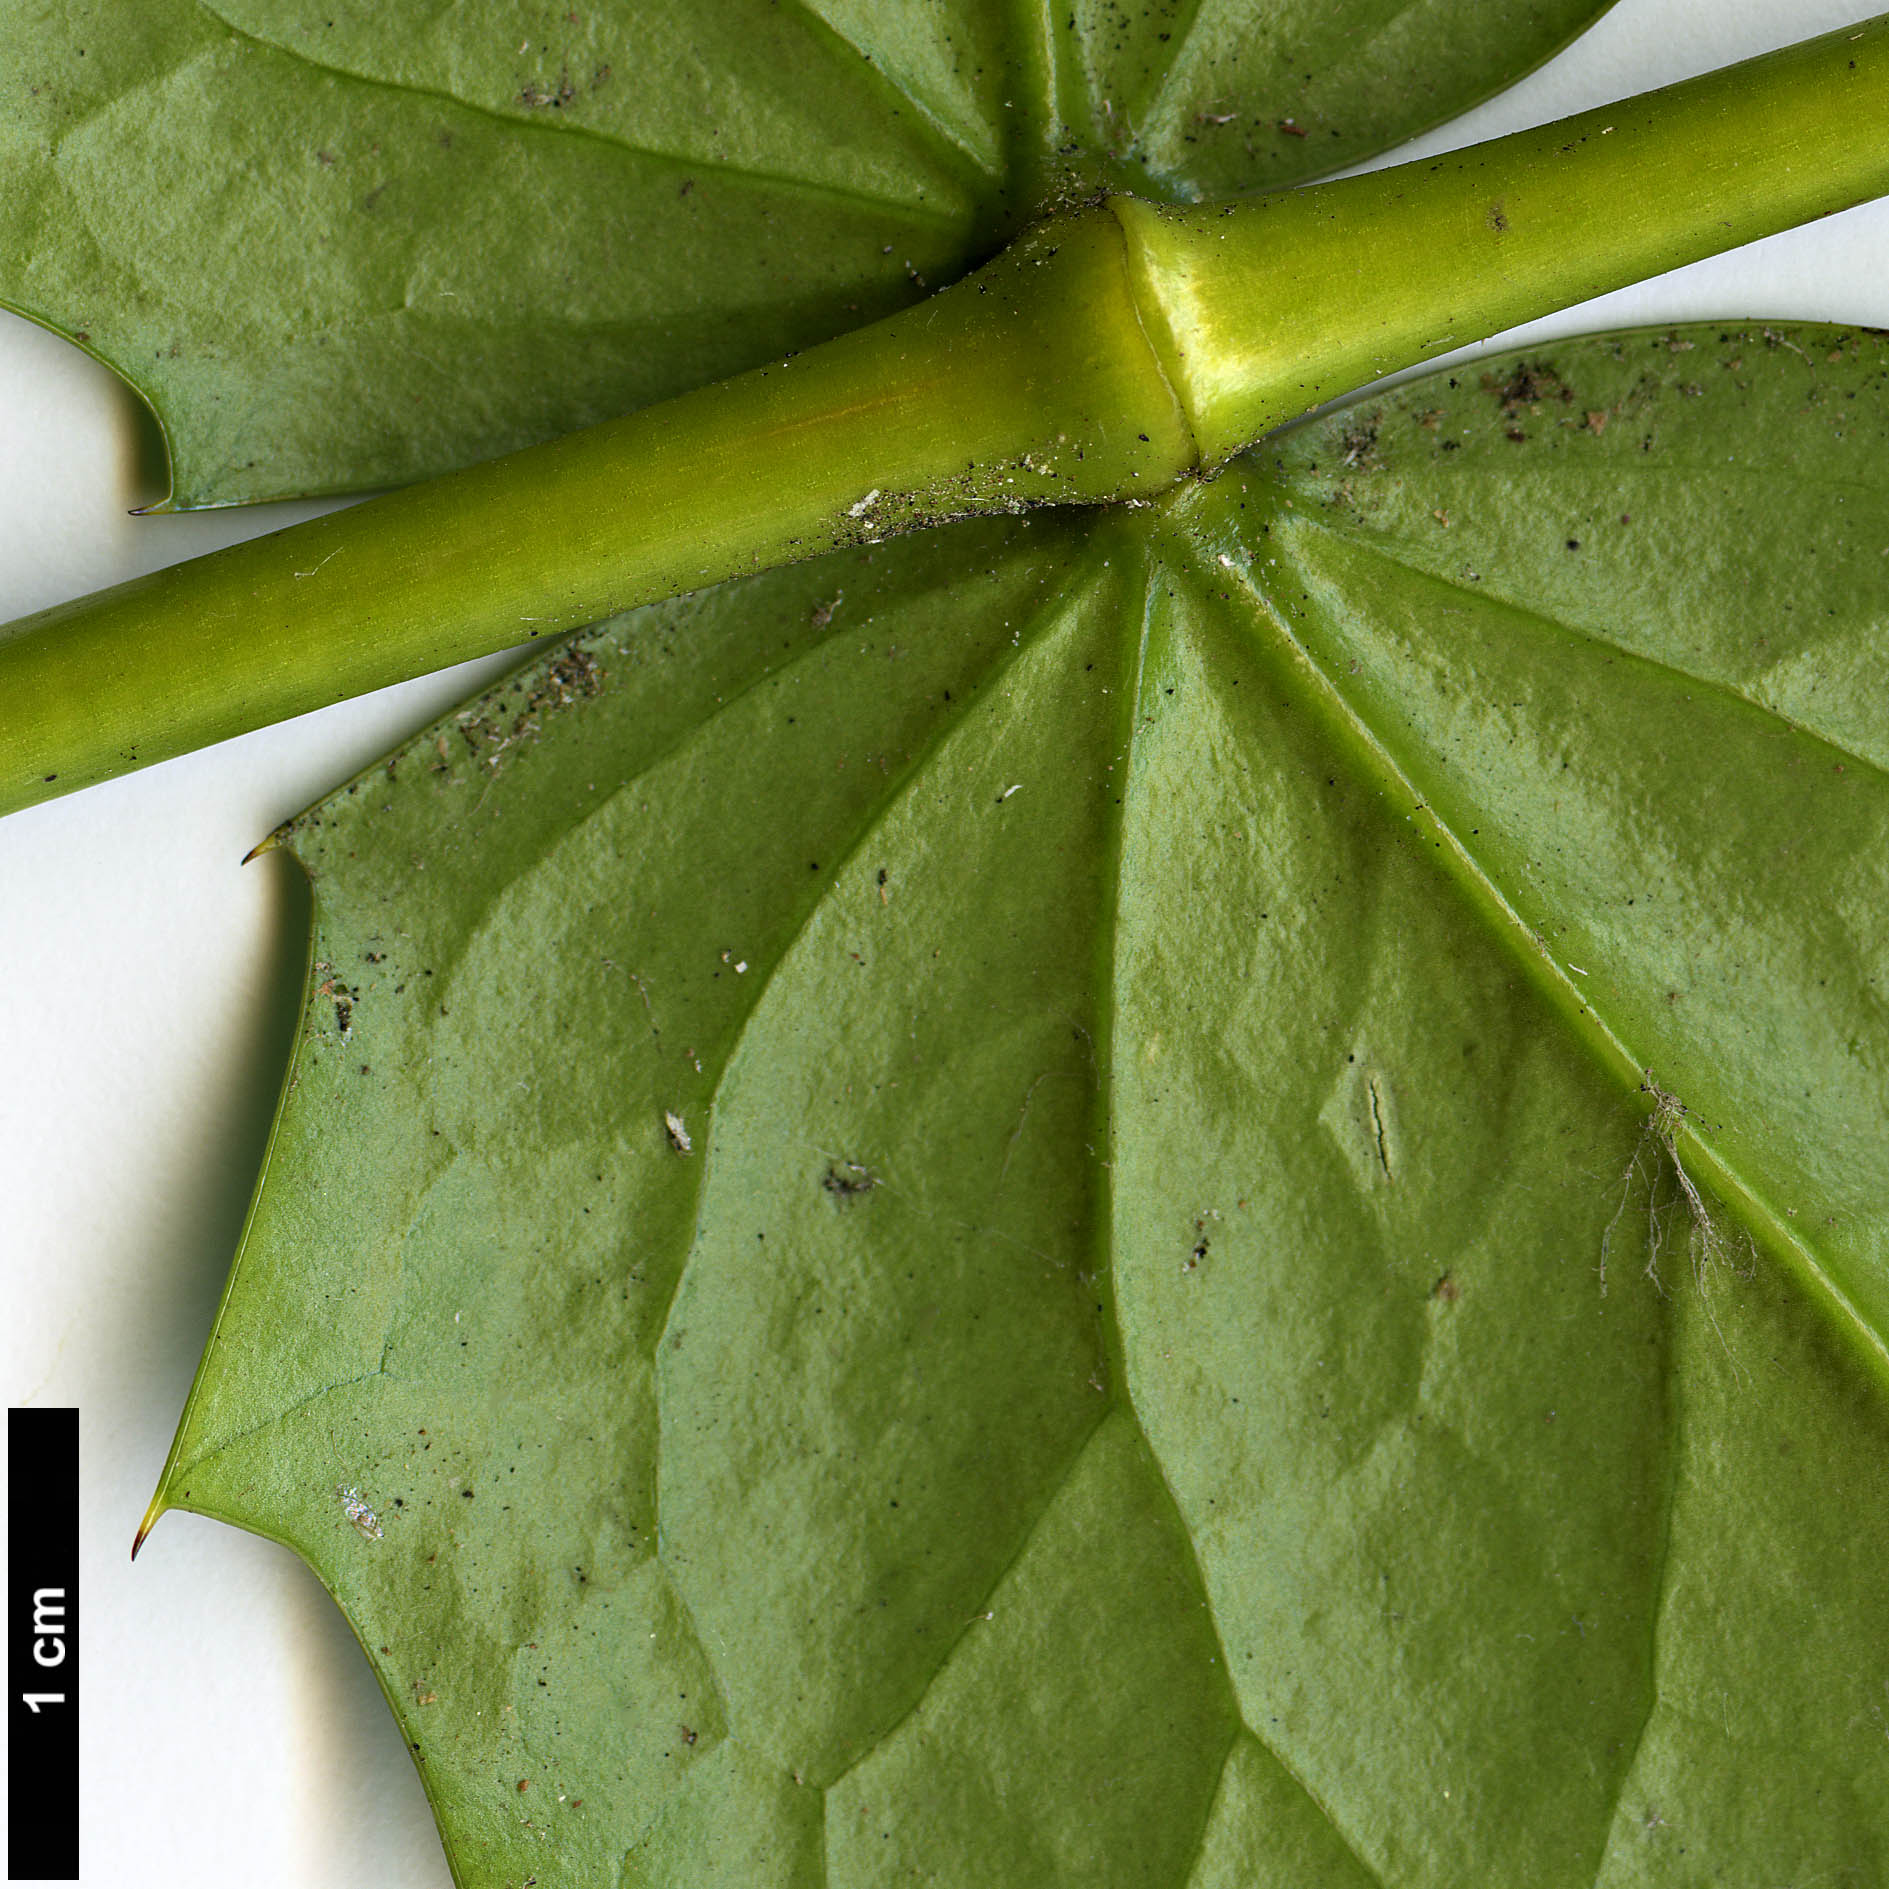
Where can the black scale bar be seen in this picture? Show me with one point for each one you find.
(43, 1646)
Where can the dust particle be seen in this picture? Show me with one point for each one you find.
(1359, 445)
(847, 1181)
(354, 1507)
(542, 95)
(1531, 385)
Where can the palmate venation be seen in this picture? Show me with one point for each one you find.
(1218, 948)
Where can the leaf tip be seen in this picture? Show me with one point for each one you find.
(269, 844)
(158, 1505)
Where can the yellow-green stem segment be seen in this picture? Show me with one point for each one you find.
(1264, 309)
(1109, 353)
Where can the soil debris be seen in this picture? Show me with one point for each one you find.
(848, 1181)
(1359, 444)
(548, 95)
(343, 996)
(493, 727)
(1530, 386)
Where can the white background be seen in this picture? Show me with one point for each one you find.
(232, 1733)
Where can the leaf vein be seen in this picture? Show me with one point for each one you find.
(985, 1601)
(1662, 1593)
(1611, 1049)
(279, 1416)
(1155, 105)
(872, 820)
(1198, 1848)
(1318, 1803)
(567, 128)
(928, 115)
(1195, 1568)
(1715, 685)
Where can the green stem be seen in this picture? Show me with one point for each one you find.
(1270, 307)
(1108, 354)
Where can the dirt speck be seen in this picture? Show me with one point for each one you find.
(1530, 386)
(343, 996)
(492, 727)
(1358, 444)
(547, 94)
(848, 1181)
(1202, 1241)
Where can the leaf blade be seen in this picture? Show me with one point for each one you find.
(1240, 1154)
(1786, 967)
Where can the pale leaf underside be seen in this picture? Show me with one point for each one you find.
(984, 1212)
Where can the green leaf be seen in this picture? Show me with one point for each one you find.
(1191, 1197)
(344, 245)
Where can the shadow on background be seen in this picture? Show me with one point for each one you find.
(363, 1815)
(160, 1327)
(363, 1809)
